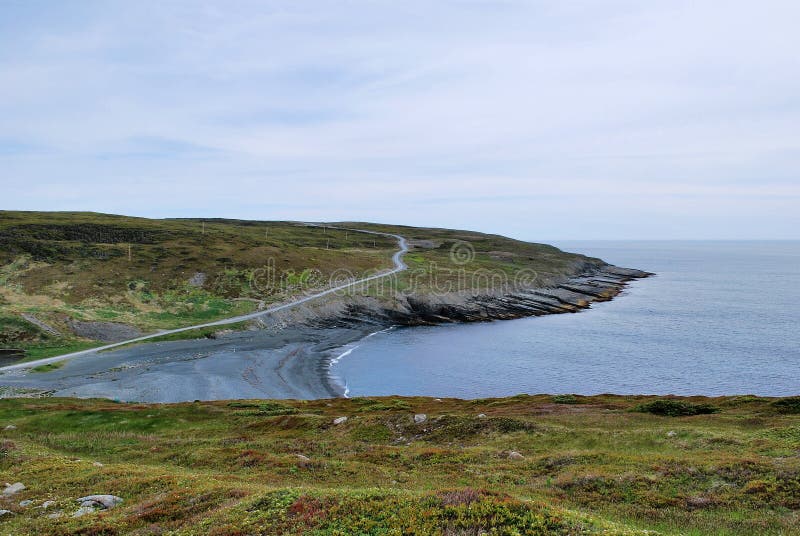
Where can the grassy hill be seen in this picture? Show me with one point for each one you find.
(528, 465)
(62, 268)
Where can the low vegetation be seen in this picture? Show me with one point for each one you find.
(520, 465)
(157, 274)
(675, 408)
(47, 367)
(58, 268)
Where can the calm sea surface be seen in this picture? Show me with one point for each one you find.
(718, 318)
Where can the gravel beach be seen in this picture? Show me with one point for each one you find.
(289, 363)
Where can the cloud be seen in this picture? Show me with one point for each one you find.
(529, 118)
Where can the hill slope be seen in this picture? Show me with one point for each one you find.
(531, 465)
(69, 280)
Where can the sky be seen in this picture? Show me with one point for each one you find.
(535, 119)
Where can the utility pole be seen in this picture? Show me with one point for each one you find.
(328, 243)
(266, 233)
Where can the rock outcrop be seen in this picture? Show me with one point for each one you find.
(566, 295)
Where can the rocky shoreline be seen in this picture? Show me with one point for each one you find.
(574, 294)
(570, 295)
(290, 354)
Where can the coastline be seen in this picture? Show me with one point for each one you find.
(256, 364)
(293, 356)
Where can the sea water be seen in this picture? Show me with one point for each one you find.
(719, 318)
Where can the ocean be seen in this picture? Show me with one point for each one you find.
(718, 318)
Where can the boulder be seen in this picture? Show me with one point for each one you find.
(198, 279)
(82, 511)
(25, 503)
(340, 420)
(514, 455)
(10, 427)
(420, 418)
(12, 489)
(102, 501)
(481, 415)
(5, 512)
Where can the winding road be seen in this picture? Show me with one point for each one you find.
(397, 259)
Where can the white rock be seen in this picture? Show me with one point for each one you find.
(437, 399)
(55, 515)
(47, 504)
(97, 464)
(303, 458)
(420, 418)
(5, 512)
(514, 455)
(104, 501)
(672, 433)
(25, 503)
(82, 511)
(481, 415)
(10, 427)
(12, 489)
(340, 420)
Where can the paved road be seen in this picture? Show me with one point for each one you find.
(397, 259)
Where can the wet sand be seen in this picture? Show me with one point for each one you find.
(290, 363)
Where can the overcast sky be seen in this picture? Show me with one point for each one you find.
(540, 120)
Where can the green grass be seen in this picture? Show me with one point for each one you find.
(198, 333)
(56, 347)
(596, 467)
(47, 367)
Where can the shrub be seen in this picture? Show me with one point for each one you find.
(675, 408)
(566, 399)
(461, 497)
(372, 433)
(14, 330)
(789, 404)
(265, 409)
(368, 404)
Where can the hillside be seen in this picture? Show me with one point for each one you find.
(71, 280)
(530, 465)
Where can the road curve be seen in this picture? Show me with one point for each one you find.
(397, 259)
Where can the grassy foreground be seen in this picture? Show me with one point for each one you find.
(519, 465)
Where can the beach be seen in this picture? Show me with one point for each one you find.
(291, 363)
